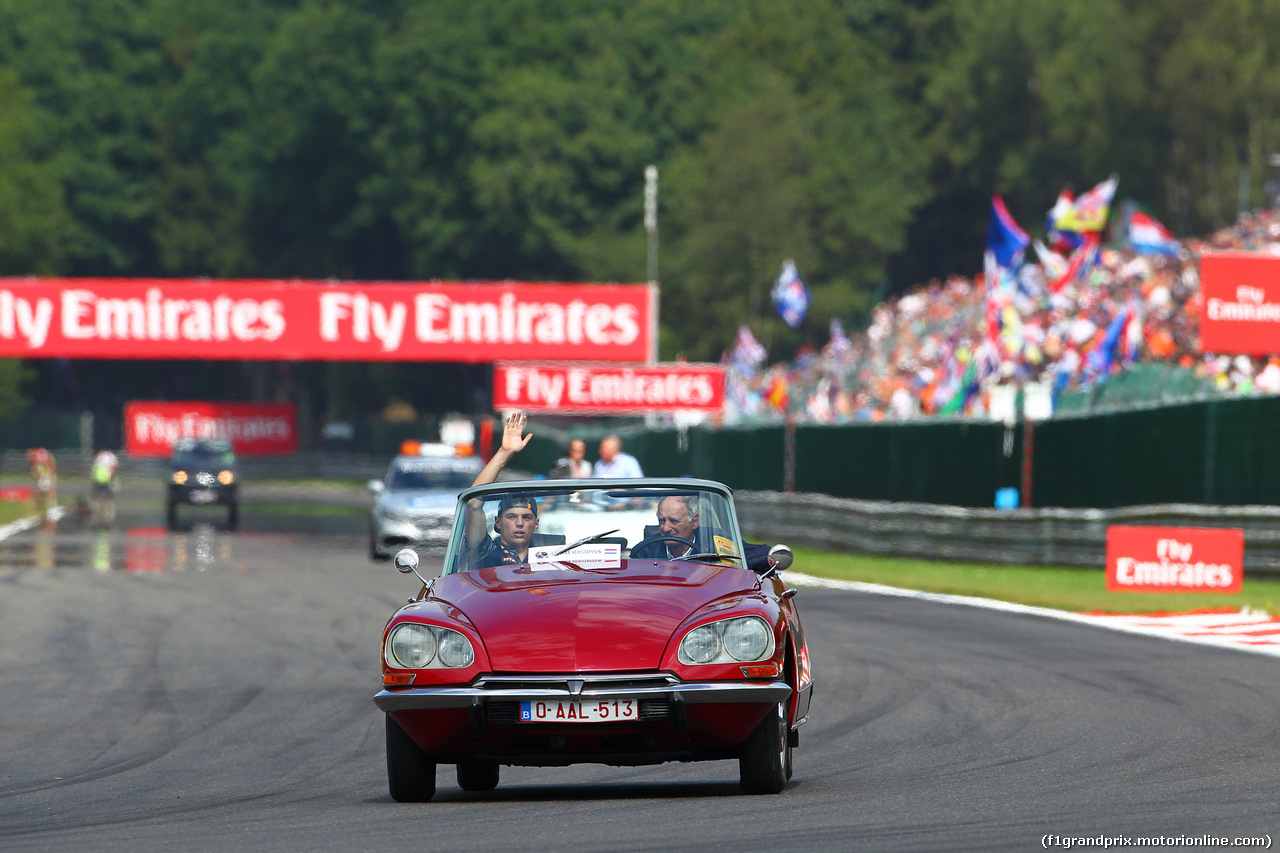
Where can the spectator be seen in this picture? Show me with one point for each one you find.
(613, 463)
(574, 465)
(940, 348)
(44, 476)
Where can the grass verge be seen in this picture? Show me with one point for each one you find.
(14, 511)
(1077, 590)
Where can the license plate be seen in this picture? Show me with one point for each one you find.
(203, 496)
(579, 711)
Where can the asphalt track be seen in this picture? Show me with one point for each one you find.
(211, 690)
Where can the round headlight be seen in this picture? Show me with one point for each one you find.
(455, 650)
(701, 645)
(746, 639)
(412, 646)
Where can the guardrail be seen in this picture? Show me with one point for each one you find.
(1050, 537)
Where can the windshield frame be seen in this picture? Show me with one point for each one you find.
(648, 487)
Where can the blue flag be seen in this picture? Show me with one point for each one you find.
(790, 296)
(1005, 240)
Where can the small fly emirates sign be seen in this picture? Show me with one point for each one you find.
(1175, 559)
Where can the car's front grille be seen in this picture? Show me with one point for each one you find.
(573, 684)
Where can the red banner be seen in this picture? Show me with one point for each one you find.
(1241, 310)
(1174, 559)
(151, 429)
(311, 320)
(593, 389)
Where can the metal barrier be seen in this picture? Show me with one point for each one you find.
(1049, 537)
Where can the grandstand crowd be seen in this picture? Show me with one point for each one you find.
(941, 348)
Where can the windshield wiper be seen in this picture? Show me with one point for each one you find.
(594, 537)
(705, 556)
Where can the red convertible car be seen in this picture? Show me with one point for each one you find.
(574, 621)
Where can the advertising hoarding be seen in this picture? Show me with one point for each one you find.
(1174, 559)
(330, 321)
(1241, 308)
(254, 429)
(597, 389)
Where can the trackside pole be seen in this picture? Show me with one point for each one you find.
(1028, 457)
(789, 455)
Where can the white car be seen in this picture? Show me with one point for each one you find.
(416, 499)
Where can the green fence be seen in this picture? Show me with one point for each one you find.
(1219, 451)
(1216, 451)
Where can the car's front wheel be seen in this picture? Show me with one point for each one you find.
(411, 774)
(765, 757)
(477, 775)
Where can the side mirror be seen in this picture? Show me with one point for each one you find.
(780, 558)
(376, 486)
(406, 561)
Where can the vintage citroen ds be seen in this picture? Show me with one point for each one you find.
(597, 638)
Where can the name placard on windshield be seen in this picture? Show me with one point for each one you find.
(593, 556)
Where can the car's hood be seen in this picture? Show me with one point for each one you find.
(582, 620)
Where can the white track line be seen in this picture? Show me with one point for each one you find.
(1239, 631)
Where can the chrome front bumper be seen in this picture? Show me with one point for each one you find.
(584, 688)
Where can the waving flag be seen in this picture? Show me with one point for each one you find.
(838, 345)
(747, 351)
(1061, 240)
(1082, 260)
(1090, 211)
(1005, 240)
(790, 296)
(1054, 265)
(1098, 363)
(1148, 236)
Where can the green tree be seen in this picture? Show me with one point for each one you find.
(97, 71)
(32, 216)
(810, 155)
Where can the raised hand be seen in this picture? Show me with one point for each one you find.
(512, 432)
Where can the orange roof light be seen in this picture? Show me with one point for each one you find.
(409, 447)
(464, 450)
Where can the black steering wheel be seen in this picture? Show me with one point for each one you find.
(662, 537)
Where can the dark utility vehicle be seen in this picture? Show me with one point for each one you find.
(201, 472)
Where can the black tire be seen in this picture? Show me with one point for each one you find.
(765, 757)
(171, 515)
(373, 550)
(411, 774)
(477, 775)
(233, 515)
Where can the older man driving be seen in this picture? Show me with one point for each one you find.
(679, 521)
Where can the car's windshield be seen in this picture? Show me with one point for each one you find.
(538, 523)
(202, 455)
(415, 474)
